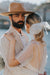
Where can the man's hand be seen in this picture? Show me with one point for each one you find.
(43, 74)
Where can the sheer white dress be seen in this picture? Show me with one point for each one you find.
(36, 55)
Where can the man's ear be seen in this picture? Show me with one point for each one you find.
(10, 18)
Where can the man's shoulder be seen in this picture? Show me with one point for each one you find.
(3, 37)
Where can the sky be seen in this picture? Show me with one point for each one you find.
(34, 1)
(30, 1)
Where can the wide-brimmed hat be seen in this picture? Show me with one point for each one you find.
(16, 8)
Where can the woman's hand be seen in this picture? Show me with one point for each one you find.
(10, 37)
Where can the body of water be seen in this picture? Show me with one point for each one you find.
(47, 39)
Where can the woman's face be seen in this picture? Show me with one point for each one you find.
(27, 28)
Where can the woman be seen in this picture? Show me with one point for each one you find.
(35, 28)
(35, 49)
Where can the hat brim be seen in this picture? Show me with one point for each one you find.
(8, 13)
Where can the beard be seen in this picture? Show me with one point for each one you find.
(17, 25)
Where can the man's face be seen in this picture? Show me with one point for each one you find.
(18, 20)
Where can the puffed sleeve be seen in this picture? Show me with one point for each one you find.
(4, 48)
(26, 53)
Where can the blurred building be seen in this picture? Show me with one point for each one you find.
(4, 21)
(48, 1)
(44, 11)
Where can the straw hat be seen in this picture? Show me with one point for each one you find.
(16, 8)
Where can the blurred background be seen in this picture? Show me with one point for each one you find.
(42, 7)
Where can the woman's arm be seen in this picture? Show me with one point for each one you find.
(11, 60)
(26, 53)
(23, 55)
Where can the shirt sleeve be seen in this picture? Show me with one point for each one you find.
(25, 54)
(4, 48)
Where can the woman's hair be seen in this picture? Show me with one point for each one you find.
(33, 18)
(40, 35)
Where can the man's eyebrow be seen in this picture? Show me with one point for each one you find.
(16, 14)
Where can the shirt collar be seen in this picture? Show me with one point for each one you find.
(13, 30)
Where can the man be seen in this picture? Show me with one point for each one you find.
(17, 18)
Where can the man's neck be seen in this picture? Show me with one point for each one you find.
(17, 29)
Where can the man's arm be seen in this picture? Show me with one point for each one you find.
(4, 46)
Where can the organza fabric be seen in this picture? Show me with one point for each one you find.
(36, 55)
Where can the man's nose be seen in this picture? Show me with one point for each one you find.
(20, 17)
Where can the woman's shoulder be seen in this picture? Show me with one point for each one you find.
(33, 42)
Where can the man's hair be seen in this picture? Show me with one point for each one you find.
(33, 18)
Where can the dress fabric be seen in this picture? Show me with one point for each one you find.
(39, 58)
(37, 55)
